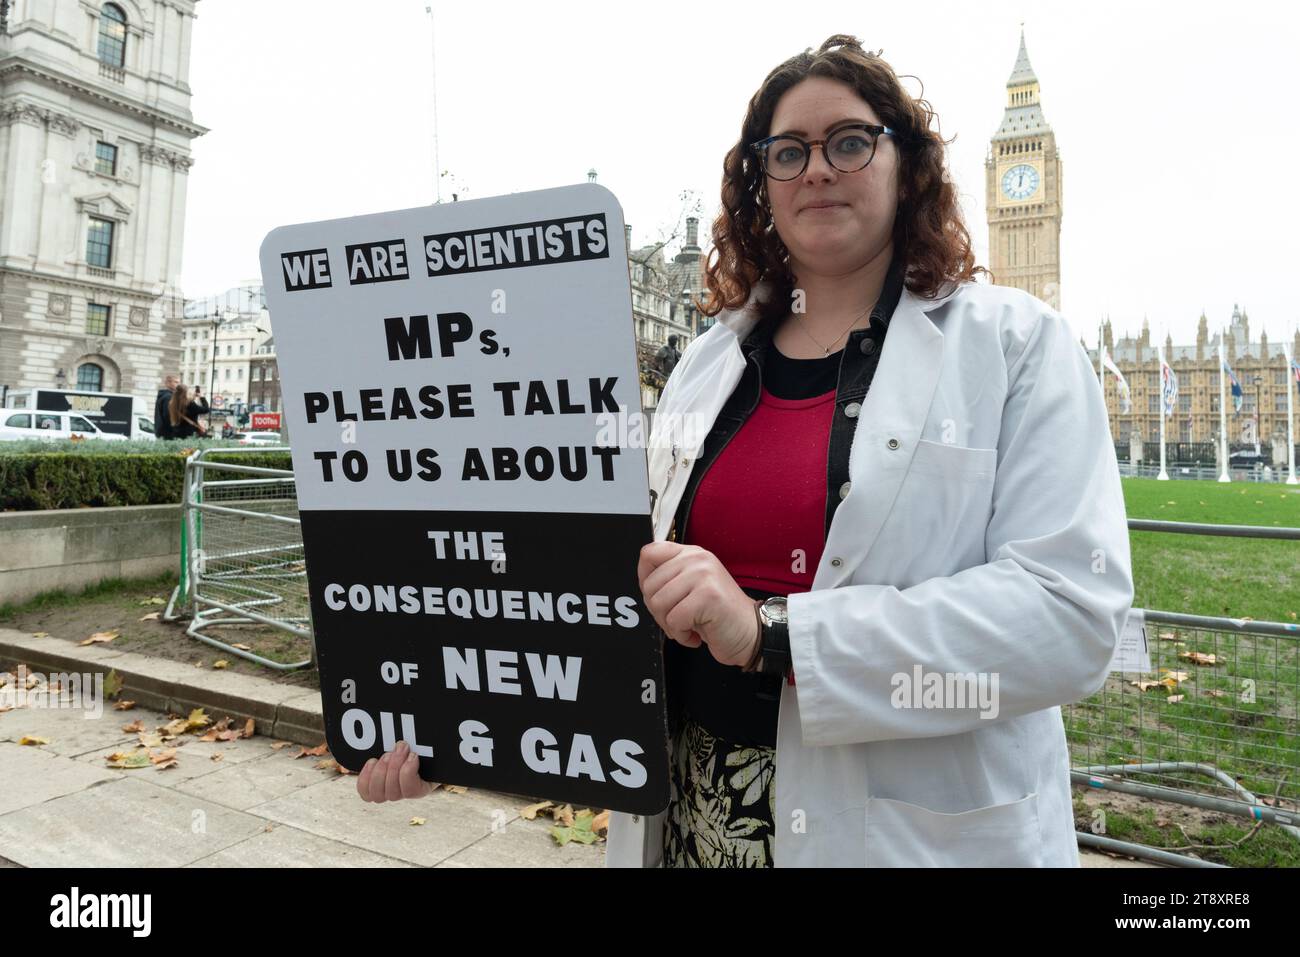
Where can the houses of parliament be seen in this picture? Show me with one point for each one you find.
(1023, 188)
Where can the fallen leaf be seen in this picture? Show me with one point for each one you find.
(196, 719)
(32, 739)
(1216, 693)
(123, 760)
(601, 823)
(152, 616)
(241, 646)
(417, 821)
(1168, 636)
(46, 634)
(134, 726)
(1146, 684)
(1174, 698)
(313, 752)
(153, 601)
(221, 664)
(1198, 657)
(112, 684)
(563, 815)
(164, 759)
(530, 813)
(123, 705)
(219, 756)
(454, 788)
(150, 739)
(277, 745)
(100, 636)
(6, 707)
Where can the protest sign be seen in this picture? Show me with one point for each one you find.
(448, 374)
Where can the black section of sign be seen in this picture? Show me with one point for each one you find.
(539, 243)
(376, 262)
(306, 269)
(592, 748)
(112, 414)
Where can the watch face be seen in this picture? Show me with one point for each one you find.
(1020, 181)
(775, 610)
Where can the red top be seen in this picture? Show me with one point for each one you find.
(761, 507)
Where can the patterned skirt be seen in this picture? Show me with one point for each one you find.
(723, 802)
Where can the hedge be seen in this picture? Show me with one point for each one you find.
(32, 480)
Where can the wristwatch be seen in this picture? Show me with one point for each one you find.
(774, 654)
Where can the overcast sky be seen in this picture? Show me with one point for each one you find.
(1176, 124)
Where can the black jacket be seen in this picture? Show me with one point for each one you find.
(185, 430)
(162, 423)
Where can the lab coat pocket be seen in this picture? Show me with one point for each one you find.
(939, 520)
(899, 834)
(956, 462)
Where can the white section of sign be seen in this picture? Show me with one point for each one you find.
(566, 325)
(1132, 655)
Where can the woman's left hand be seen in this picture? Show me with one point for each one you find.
(696, 601)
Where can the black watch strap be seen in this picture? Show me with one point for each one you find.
(775, 656)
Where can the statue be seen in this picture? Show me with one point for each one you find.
(667, 358)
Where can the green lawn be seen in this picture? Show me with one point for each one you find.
(1203, 575)
(1237, 711)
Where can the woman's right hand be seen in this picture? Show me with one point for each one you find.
(393, 777)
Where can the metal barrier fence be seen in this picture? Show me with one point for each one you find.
(1213, 726)
(1206, 473)
(241, 552)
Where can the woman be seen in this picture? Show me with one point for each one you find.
(921, 465)
(183, 414)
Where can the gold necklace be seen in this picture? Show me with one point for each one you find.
(826, 350)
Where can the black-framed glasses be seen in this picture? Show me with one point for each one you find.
(848, 150)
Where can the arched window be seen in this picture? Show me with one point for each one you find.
(90, 377)
(112, 35)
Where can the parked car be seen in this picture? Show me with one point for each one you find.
(18, 425)
(256, 438)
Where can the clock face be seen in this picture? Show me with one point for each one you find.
(1020, 181)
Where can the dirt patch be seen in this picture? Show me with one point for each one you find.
(121, 610)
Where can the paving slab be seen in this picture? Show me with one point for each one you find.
(124, 823)
(31, 776)
(289, 847)
(452, 821)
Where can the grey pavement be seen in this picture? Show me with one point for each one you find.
(241, 803)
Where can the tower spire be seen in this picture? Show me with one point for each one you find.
(1022, 72)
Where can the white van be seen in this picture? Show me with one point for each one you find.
(113, 413)
(16, 425)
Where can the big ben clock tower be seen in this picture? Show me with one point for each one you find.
(1023, 188)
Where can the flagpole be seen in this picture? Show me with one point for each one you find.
(1290, 416)
(433, 78)
(1223, 411)
(1101, 370)
(1160, 354)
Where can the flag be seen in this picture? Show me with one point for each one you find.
(1168, 386)
(1120, 382)
(1295, 371)
(1236, 386)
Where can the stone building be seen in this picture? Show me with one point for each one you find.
(1259, 365)
(95, 133)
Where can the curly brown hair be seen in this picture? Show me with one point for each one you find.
(929, 232)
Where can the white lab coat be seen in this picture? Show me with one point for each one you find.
(984, 532)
